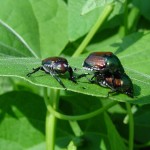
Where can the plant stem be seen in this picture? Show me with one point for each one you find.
(131, 126)
(123, 30)
(133, 18)
(50, 118)
(76, 128)
(81, 117)
(50, 129)
(108, 9)
(126, 18)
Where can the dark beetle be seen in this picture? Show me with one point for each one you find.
(108, 71)
(55, 66)
(103, 62)
(121, 84)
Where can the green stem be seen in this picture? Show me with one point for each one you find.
(126, 18)
(108, 9)
(76, 128)
(131, 126)
(123, 30)
(50, 129)
(81, 117)
(50, 118)
(133, 18)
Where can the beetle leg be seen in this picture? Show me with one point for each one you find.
(72, 78)
(110, 92)
(96, 75)
(34, 71)
(92, 79)
(82, 75)
(53, 74)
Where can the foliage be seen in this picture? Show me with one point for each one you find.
(32, 30)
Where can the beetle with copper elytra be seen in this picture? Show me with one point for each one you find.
(103, 62)
(108, 71)
(55, 66)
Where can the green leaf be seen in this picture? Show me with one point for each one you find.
(142, 124)
(21, 127)
(17, 115)
(136, 68)
(79, 25)
(19, 67)
(40, 32)
(52, 18)
(92, 4)
(115, 139)
(11, 44)
(97, 131)
(144, 7)
(22, 25)
(6, 85)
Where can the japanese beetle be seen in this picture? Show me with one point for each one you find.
(108, 72)
(120, 84)
(103, 62)
(55, 66)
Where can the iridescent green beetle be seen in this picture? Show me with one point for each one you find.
(103, 62)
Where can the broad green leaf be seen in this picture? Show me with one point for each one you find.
(79, 25)
(5, 85)
(24, 25)
(40, 32)
(17, 115)
(52, 18)
(93, 4)
(115, 139)
(21, 128)
(130, 48)
(19, 67)
(144, 7)
(79, 104)
(10, 44)
(142, 124)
